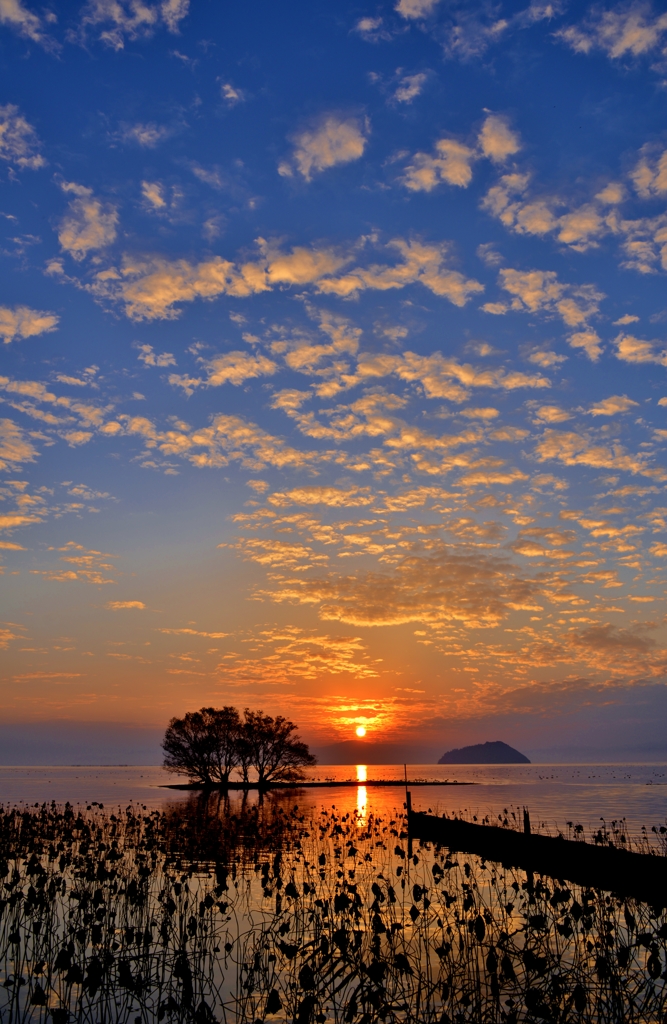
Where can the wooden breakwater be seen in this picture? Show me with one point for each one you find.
(327, 784)
(641, 876)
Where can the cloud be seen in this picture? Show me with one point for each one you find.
(230, 368)
(290, 654)
(409, 87)
(442, 376)
(371, 29)
(89, 566)
(116, 606)
(418, 262)
(227, 438)
(540, 291)
(333, 497)
(546, 359)
(623, 32)
(89, 224)
(589, 341)
(476, 590)
(150, 358)
(411, 9)
(19, 144)
(185, 631)
(627, 319)
(634, 350)
(23, 322)
(335, 141)
(552, 414)
(452, 164)
(15, 448)
(496, 140)
(150, 287)
(23, 21)
(118, 20)
(650, 176)
(235, 367)
(579, 228)
(574, 449)
(612, 405)
(148, 136)
(232, 95)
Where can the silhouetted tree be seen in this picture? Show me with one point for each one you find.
(204, 744)
(269, 746)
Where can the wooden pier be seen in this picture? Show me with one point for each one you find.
(638, 875)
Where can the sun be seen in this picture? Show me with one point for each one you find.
(360, 730)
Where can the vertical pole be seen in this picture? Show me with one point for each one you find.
(408, 807)
(526, 822)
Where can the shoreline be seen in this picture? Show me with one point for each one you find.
(347, 783)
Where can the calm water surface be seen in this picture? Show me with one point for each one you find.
(555, 794)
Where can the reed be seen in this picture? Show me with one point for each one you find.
(216, 911)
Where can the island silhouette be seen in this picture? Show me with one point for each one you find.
(494, 752)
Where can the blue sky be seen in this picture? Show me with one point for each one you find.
(333, 374)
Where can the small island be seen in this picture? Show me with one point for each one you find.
(495, 752)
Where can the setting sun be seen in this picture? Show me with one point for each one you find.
(360, 730)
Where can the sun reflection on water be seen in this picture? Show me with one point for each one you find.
(362, 776)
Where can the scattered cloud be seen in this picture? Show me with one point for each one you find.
(634, 350)
(230, 368)
(23, 322)
(626, 31)
(536, 291)
(410, 87)
(412, 9)
(150, 287)
(545, 359)
(150, 358)
(117, 21)
(575, 449)
(451, 164)
(612, 405)
(552, 414)
(650, 174)
(188, 631)
(496, 139)
(19, 145)
(448, 586)
(335, 141)
(371, 29)
(333, 497)
(579, 228)
(15, 447)
(231, 94)
(25, 22)
(116, 606)
(89, 223)
(84, 566)
(452, 160)
(587, 340)
(625, 320)
(148, 135)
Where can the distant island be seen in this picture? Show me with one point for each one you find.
(485, 753)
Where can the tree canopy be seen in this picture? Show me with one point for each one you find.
(207, 745)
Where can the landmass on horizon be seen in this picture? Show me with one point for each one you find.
(493, 752)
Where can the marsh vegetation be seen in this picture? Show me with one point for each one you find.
(211, 911)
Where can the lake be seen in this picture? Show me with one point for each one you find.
(554, 794)
(312, 907)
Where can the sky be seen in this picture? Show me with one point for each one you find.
(333, 383)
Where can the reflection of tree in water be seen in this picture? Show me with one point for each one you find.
(248, 911)
(218, 828)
